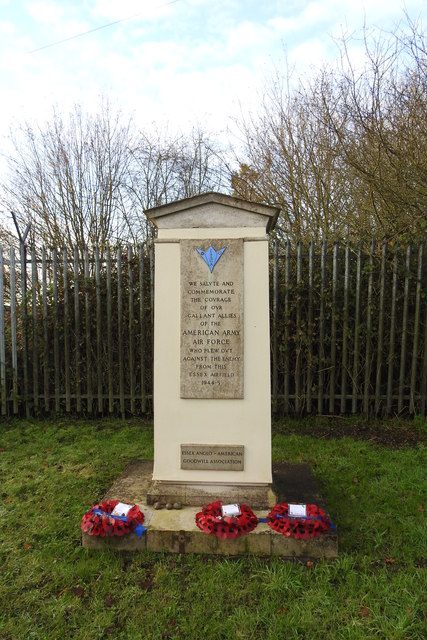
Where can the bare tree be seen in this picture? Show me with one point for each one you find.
(291, 160)
(200, 165)
(69, 177)
(381, 125)
(166, 168)
(345, 154)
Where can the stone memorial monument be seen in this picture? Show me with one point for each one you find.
(212, 424)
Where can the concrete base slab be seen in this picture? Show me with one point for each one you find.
(196, 494)
(175, 531)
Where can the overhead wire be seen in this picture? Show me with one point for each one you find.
(104, 26)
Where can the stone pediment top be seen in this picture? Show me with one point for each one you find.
(213, 210)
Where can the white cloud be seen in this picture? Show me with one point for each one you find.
(319, 11)
(45, 12)
(246, 35)
(7, 28)
(55, 23)
(153, 55)
(169, 66)
(283, 25)
(309, 55)
(113, 10)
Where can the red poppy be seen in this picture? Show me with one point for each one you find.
(99, 522)
(314, 524)
(210, 520)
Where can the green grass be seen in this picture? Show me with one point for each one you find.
(50, 587)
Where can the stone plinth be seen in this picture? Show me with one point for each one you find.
(175, 531)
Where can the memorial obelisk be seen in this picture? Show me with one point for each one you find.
(212, 401)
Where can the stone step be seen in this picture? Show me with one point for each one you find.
(175, 530)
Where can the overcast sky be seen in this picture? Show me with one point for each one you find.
(175, 62)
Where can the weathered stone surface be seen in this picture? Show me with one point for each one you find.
(212, 319)
(176, 531)
(213, 457)
(213, 210)
(257, 496)
(130, 542)
(133, 482)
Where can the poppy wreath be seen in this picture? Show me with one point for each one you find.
(211, 520)
(99, 522)
(310, 526)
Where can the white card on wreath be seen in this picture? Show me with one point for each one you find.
(230, 510)
(121, 509)
(297, 510)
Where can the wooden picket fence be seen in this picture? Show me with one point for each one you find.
(348, 330)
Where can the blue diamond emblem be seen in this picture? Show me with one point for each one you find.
(210, 256)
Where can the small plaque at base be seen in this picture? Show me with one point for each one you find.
(212, 457)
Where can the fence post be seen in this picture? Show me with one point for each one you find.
(98, 330)
(404, 328)
(35, 331)
(109, 332)
(66, 334)
(298, 331)
(13, 331)
(310, 328)
(77, 330)
(390, 359)
(55, 327)
(274, 324)
(142, 327)
(321, 328)
(152, 292)
(356, 332)
(45, 334)
(380, 338)
(24, 326)
(89, 392)
(344, 354)
(131, 333)
(333, 329)
(2, 340)
(412, 406)
(120, 331)
(368, 351)
(286, 331)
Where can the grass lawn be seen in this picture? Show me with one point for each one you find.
(53, 471)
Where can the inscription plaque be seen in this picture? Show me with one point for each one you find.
(223, 457)
(212, 318)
